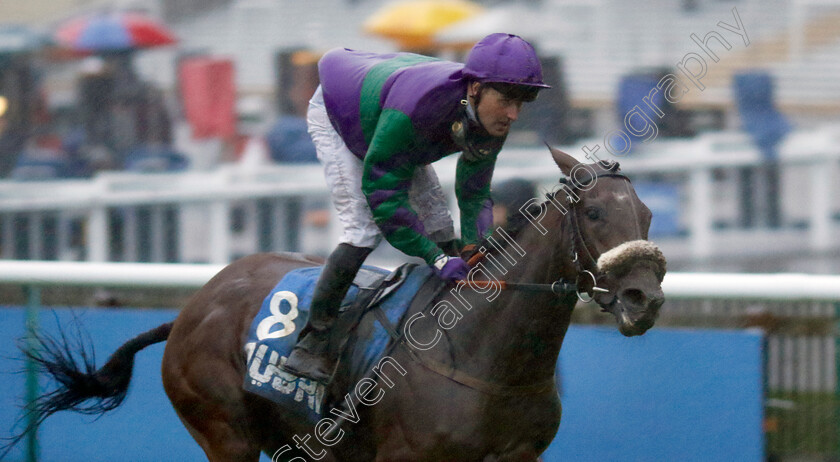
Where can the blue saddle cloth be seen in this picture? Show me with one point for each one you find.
(284, 312)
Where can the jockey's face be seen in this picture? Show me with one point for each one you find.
(495, 111)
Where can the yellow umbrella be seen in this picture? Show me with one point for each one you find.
(413, 23)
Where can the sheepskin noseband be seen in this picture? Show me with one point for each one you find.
(620, 258)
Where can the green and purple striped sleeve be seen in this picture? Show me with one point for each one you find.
(389, 165)
(472, 189)
(388, 170)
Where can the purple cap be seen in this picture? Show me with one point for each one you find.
(505, 58)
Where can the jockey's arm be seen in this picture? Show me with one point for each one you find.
(388, 170)
(472, 189)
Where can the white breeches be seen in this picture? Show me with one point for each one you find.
(343, 172)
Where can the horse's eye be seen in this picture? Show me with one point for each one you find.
(593, 213)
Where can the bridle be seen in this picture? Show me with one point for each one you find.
(585, 281)
(590, 267)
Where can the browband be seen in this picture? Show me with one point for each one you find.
(612, 170)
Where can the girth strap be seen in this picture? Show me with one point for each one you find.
(482, 386)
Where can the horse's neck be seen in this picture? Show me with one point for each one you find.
(515, 337)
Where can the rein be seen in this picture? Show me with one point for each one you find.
(560, 287)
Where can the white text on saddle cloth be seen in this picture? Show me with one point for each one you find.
(281, 380)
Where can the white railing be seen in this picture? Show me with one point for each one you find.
(203, 203)
(736, 286)
(180, 275)
(133, 275)
(214, 216)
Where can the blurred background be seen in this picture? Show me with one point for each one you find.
(173, 131)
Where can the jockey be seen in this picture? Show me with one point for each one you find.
(378, 121)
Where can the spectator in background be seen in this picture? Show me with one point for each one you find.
(24, 109)
(289, 142)
(73, 145)
(125, 120)
(4, 106)
(96, 90)
(288, 139)
(12, 140)
(252, 115)
(8, 146)
(508, 197)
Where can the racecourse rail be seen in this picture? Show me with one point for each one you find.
(214, 216)
(181, 275)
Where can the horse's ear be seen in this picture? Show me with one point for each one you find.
(563, 160)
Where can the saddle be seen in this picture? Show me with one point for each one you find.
(363, 333)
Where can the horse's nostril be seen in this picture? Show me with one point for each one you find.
(633, 297)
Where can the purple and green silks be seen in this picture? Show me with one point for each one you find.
(395, 112)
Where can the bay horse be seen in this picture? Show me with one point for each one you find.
(476, 383)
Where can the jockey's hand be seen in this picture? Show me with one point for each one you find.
(451, 268)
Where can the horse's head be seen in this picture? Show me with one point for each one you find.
(610, 225)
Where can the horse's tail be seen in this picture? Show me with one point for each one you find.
(107, 386)
(82, 388)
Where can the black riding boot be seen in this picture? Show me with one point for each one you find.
(310, 357)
